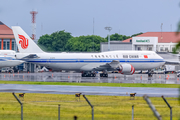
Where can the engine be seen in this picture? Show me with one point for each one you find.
(126, 69)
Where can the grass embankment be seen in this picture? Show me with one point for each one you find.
(94, 84)
(45, 107)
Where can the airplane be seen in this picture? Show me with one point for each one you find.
(126, 62)
(8, 59)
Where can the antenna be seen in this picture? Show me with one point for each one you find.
(33, 24)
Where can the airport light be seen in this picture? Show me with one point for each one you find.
(109, 29)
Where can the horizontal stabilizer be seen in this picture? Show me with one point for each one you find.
(31, 56)
(172, 63)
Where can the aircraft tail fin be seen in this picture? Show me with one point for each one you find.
(24, 42)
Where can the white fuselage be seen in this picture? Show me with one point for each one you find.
(7, 59)
(140, 60)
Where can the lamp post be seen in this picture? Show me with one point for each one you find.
(108, 28)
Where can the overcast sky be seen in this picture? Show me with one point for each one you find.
(126, 17)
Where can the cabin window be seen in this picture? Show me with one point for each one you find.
(106, 56)
(102, 56)
(92, 56)
(99, 56)
(117, 56)
(95, 56)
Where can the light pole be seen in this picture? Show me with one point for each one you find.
(108, 28)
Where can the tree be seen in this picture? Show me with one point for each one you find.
(56, 41)
(118, 37)
(177, 48)
(85, 43)
(136, 34)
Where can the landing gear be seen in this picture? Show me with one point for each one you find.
(88, 74)
(103, 75)
(150, 73)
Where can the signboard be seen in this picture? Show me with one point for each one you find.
(144, 40)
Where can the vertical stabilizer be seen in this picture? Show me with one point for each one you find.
(24, 42)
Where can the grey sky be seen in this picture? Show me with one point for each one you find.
(126, 17)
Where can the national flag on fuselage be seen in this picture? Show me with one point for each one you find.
(145, 56)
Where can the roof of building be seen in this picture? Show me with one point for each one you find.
(5, 32)
(163, 37)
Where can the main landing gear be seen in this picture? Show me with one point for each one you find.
(103, 75)
(88, 74)
(150, 73)
(93, 74)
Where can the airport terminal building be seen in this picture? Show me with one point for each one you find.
(7, 40)
(151, 41)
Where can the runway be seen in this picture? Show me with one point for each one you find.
(89, 90)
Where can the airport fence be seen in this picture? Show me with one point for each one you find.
(45, 107)
(76, 77)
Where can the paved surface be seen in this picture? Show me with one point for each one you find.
(89, 90)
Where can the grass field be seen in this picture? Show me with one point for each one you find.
(45, 107)
(94, 84)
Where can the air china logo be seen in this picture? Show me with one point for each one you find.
(24, 41)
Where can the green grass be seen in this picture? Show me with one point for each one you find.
(94, 84)
(45, 107)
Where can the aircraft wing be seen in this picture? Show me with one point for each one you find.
(109, 66)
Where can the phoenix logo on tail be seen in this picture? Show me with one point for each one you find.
(24, 41)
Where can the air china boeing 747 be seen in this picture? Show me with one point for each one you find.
(126, 62)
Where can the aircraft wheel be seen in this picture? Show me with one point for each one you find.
(94, 75)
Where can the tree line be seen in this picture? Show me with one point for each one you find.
(64, 42)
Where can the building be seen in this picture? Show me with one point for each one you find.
(7, 40)
(116, 45)
(153, 41)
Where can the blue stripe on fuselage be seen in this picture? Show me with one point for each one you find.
(92, 60)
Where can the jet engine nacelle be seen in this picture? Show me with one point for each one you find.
(126, 69)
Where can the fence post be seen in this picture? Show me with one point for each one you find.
(20, 104)
(168, 106)
(90, 105)
(157, 115)
(132, 112)
(22, 111)
(59, 112)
